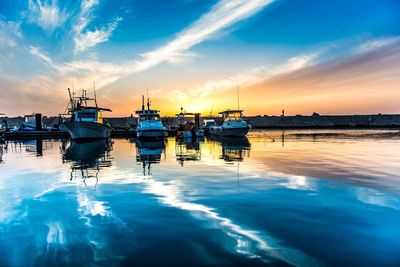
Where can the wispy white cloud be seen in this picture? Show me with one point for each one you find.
(85, 38)
(38, 53)
(373, 44)
(260, 73)
(85, 15)
(84, 41)
(9, 33)
(257, 74)
(222, 15)
(47, 14)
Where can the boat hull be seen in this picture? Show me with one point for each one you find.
(150, 134)
(87, 130)
(232, 132)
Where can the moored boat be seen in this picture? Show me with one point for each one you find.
(207, 124)
(189, 125)
(233, 125)
(86, 122)
(149, 125)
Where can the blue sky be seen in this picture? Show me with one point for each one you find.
(194, 52)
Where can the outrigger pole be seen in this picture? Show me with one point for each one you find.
(71, 100)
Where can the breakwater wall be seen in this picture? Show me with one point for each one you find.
(328, 121)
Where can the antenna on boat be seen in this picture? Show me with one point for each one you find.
(212, 107)
(94, 93)
(84, 98)
(142, 102)
(148, 100)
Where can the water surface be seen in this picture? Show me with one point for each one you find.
(280, 198)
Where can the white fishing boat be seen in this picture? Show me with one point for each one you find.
(149, 124)
(86, 121)
(233, 125)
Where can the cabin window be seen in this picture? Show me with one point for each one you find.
(150, 118)
(154, 118)
(86, 115)
(235, 116)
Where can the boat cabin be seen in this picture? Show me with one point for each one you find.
(148, 115)
(88, 115)
(232, 115)
(188, 118)
(209, 123)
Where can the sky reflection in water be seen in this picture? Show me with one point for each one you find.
(282, 198)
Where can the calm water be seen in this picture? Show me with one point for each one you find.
(277, 198)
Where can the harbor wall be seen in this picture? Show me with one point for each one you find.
(315, 121)
(328, 121)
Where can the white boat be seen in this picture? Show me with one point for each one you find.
(233, 125)
(149, 124)
(86, 122)
(206, 126)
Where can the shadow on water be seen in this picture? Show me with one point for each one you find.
(2, 148)
(32, 147)
(87, 158)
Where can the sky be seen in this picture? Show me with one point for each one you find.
(303, 56)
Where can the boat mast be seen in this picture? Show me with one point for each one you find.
(94, 93)
(142, 102)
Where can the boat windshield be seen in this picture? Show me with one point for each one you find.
(86, 115)
(233, 116)
(150, 118)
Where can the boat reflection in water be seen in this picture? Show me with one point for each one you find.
(32, 147)
(187, 149)
(233, 148)
(2, 147)
(87, 158)
(149, 152)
